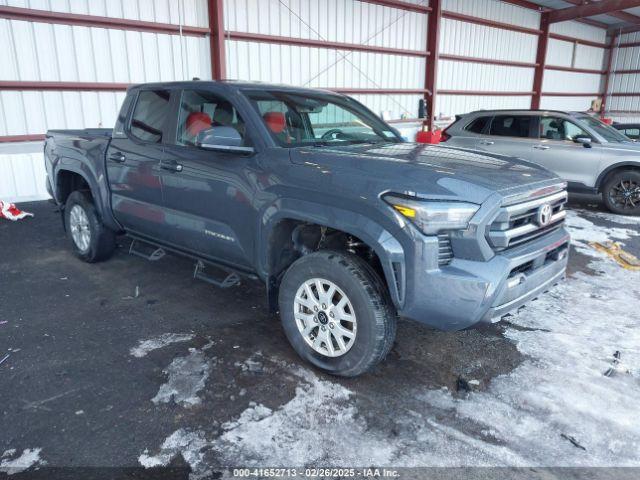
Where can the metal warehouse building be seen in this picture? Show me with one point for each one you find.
(67, 63)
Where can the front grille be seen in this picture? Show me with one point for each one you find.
(445, 253)
(518, 224)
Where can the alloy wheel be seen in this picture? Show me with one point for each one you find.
(325, 317)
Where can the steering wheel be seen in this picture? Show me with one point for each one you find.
(332, 134)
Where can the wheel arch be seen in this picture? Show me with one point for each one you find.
(280, 221)
(613, 169)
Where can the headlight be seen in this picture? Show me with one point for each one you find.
(433, 216)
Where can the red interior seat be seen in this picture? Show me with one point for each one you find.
(197, 122)
(275, 121)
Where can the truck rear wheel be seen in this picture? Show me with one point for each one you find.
(621, 192)
(90, 239)
(336, 313)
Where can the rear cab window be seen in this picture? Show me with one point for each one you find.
(150, 114)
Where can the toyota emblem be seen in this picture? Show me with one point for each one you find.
(545, 212)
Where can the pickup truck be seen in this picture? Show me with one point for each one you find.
(349, 226)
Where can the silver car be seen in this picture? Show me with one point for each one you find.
(592, 156)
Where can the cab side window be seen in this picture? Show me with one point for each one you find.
(149, 115)
(202, 110)
(511, 126)
(553, 128)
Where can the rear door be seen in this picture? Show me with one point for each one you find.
(133, 164)
(557, 150)
(208, 196)
(512, 135)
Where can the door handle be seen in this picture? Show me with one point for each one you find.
(118, 157)
(541, 147)
(487, 142)
(171, 166)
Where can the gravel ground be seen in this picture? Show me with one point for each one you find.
(134, 365)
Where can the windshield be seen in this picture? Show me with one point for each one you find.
(607, 132)
(296, 119)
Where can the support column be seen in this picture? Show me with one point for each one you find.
(216, 39)
(607, 77)
(433, 48)
(541, 60)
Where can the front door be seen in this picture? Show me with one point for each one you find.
(209, 195)
(133, 165)
(558, 151)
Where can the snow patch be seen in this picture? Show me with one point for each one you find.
(190, 444)
(29, 458)
(146, 346)
(187, 376)
(584, 231)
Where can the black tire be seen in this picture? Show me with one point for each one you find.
(613, 191)
(375, 315)
(102, 242)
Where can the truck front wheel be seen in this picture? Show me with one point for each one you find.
(90, 239)
(336, 312)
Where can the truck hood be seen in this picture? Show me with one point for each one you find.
(429, 171)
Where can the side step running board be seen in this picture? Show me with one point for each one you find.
(230, 280)
(146, 250)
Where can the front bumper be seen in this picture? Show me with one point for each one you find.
(466, 293)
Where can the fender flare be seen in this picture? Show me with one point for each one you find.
(388, 249)
(99, 196)
(608, 170)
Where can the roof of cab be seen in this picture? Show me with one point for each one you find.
(237, 85)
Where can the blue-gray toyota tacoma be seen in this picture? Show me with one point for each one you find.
(349, 226)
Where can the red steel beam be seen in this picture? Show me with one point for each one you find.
(575, 70)
(64, 86)
(488, 23)
(22, 138)
(377, 91)
(305, 42)
(216, 40)
(486, 61)
(624, 16)
(541, 60)
(42, 16)
(629, 45)
(411, 7)
(486, 93)
(605, 89)
(579, 41)
(431, 72)
(603, 7)
(570, 94)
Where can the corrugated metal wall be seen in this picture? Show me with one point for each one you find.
(32, 51)
(571, 54)
(42, 52)
(627, 58)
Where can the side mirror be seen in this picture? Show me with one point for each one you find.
(584, 140)
(224, 139)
